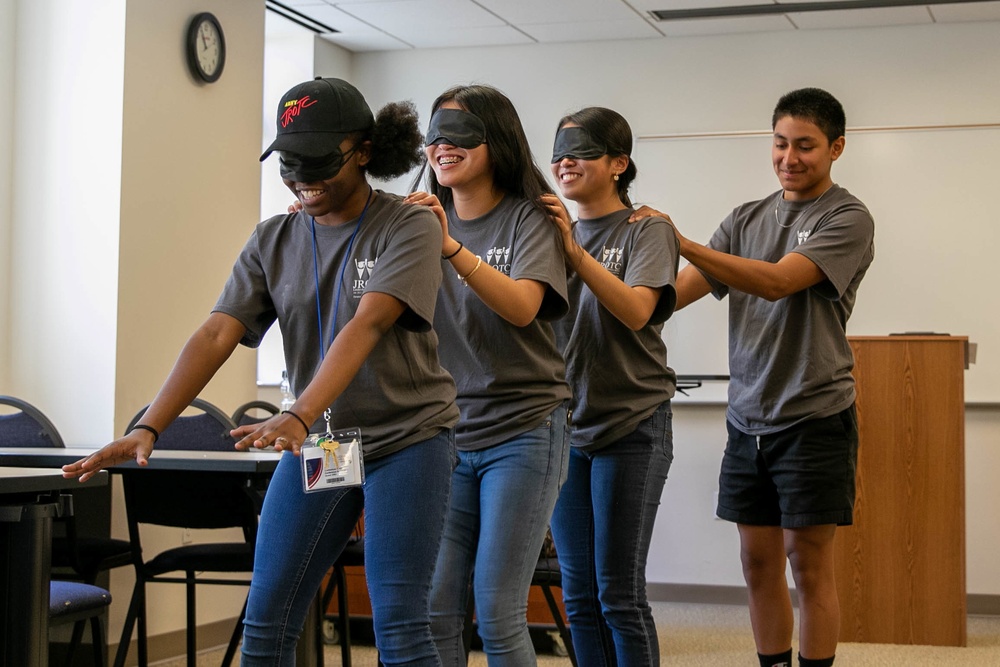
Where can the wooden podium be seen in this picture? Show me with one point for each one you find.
(901, 566)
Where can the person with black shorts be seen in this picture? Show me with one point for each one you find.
(791, 264)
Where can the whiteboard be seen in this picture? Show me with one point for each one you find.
(932, 193)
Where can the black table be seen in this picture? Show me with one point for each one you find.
(258, 465)
(27, 507)
(263, 462)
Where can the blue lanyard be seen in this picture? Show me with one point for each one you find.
(343, 267)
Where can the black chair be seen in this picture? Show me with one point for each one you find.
(27, 427)
(353, 555)
(75, 602)
(245, 413)
(189, 499)
(548, 576)
(75, 556)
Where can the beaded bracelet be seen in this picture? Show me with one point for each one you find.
(145, 427)
(465, 278)
(301, 421)
(460, 246)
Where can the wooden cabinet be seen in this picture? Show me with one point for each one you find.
(901, 566)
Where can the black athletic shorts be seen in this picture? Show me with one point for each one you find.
(801, 476)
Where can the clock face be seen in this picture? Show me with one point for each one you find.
(206, 47)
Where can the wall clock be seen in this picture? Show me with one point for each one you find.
(206, 47)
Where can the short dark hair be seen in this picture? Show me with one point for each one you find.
(514, 168)
(611, 129)
(815, 105)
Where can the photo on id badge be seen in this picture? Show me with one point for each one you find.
(332, 460)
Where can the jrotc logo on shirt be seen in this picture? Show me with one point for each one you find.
(803, 236)
(611, 259)
(364, 267)
(499, 259)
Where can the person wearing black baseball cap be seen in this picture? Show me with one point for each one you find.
(352, 280)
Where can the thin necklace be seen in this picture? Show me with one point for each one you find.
(799, 214)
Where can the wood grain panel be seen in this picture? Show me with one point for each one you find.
(901, 566)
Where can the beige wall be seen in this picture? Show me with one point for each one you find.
(7, 32)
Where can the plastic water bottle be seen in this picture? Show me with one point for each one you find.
(287, 398)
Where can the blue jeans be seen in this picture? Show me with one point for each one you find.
(602, 527)
(501, 501)
(404, 497)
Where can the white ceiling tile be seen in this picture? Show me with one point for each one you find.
(591, 31)
(397, 16)
(966, 11)
(646, 6)
(861, 18)
(488, 36)
(529, 12)
(725, 26)
(336, 19)
(302, 3)
(370, 40)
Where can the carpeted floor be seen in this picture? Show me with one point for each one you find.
(695, 635)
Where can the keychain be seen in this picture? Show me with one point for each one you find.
(333, 459)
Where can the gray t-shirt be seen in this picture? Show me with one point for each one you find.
(509, 378)
(618, 376)
(401, 395)
(789, 360)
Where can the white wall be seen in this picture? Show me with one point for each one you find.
(67, 86)
(933, 74)
(7, 111)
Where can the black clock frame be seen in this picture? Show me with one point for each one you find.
(192, 48)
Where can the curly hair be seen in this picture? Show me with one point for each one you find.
(397, 143)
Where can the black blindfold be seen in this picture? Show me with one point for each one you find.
(302, 169)
(456, 128)
(576, 142)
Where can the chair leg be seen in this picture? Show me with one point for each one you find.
(130, 620)
(97, 636)
(344, 616)
(143, 628)
(469, 629)
(75, 640)
(318, 639)
(227, 660)
(564, 631)
(192, 628)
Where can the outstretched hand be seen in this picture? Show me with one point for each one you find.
(283, 431)
(137, 446)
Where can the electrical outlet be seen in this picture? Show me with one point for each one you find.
(186, 536)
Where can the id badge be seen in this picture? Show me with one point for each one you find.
(332, 460)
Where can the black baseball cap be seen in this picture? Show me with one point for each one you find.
(316, 116)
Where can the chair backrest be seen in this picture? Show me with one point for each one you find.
(208, 430)
(191, 499)
(243, 417)
(28, 427)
